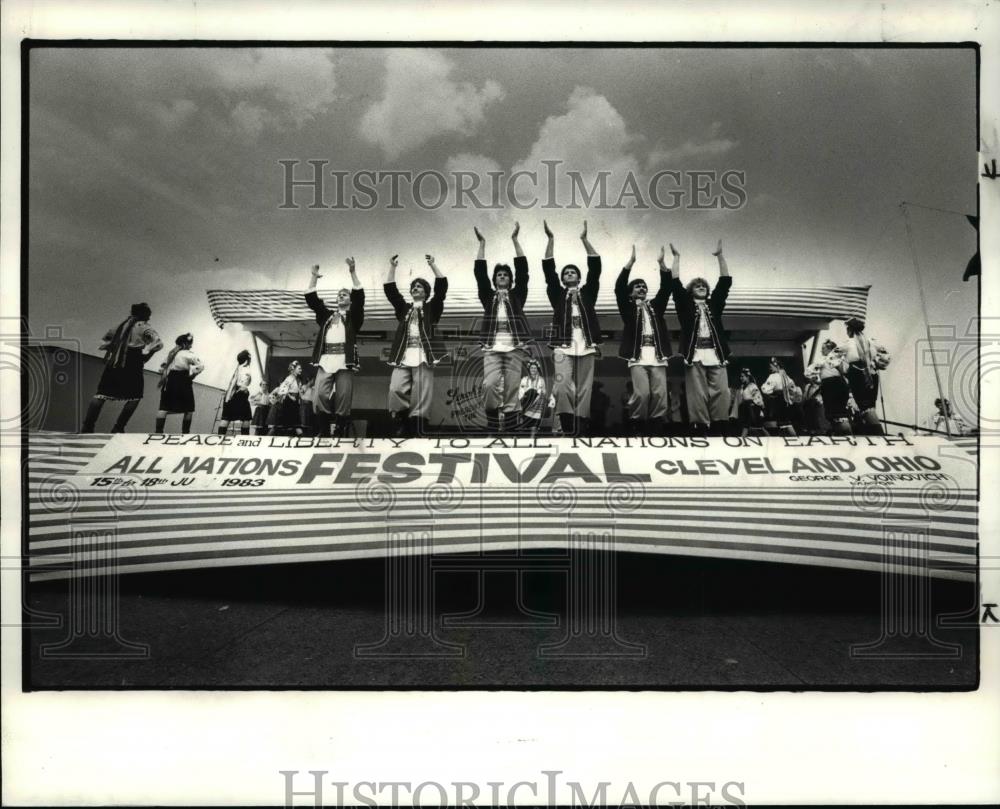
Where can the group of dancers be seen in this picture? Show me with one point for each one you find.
(515, 395)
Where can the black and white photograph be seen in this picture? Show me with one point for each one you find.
(377, 365)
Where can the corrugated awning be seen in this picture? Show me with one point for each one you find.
(804, 303)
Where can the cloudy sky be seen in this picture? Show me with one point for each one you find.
(154, 173)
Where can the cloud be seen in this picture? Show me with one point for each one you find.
(173, 115)
(248, 118)
(479, 189)
(301, 82)
(421, 102)
(590, 137)
(710, 146)
(292, 85)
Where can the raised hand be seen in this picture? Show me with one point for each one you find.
(718, 250)
(315, 271)
(430, 259)
(394, 261)
(584, 234)
(674, 252)
(548, 232)
(350, 263)
(517, 229)
(482, 239)
(663, 253)
(631, 259)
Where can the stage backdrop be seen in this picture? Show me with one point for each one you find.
(162, 502)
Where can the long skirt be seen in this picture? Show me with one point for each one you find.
(750, 415)
(238, 407)
(260, 414)
(776, 409)
(123, 384)
(835, 392)
(865, 394)
(177, 395)
(284, 415)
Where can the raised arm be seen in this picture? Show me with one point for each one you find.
(353, 270)
(357, 296)
(513, 237)
(520, 268)
(436, 304)
(552, 286)
(593, 283)
(659, 302)
(483, 286)
(433, 265)
(391, 290)
(313, 300)
(680, 292)
(723, 285)
(621, 284)
(723, 267)
(481, 256)
(313, 278)
(586, 242)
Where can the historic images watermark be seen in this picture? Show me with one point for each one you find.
(547, 789)
(312, 184)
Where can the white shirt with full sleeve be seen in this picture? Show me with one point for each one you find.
(504, 340)
(414, 356)
(578, 344)
(185, 360)
(336, 335)
(647, 353)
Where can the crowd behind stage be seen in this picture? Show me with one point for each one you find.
(694, 387)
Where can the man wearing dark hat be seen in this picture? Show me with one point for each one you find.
(865, 358)
(335, 352)
(576, 334)
(645, 345)
(126, 348)
(505, 333)
(704, 347)
(414, 351)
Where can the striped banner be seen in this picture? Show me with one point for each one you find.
(77, 529)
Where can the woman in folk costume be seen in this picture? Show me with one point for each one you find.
(307, 400)
(830, 372)
(532, 398)
(505, 332)
(781, 394)
(335, 352)
(284, 416)
(645, 345)
(176, 383)
(865, 358)
(126, 349)
(576, 334)
(236, 404)
(704, 347)
(414, 351)
(749, 403)
(261, 402)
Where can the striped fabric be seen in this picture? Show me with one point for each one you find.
(277, 305)
(163, 530)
